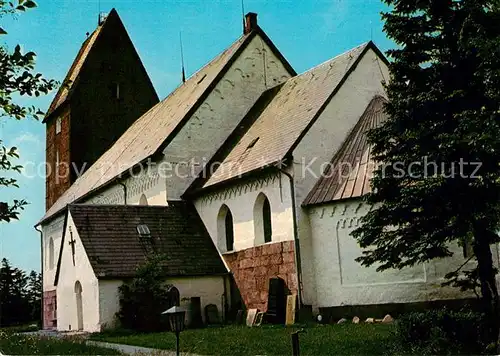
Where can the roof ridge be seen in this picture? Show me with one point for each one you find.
(363, 45)
(321, 193)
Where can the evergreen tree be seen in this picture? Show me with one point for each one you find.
(34, 295)
(20, 295)
(439, 183)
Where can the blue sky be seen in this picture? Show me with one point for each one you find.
(307, 32)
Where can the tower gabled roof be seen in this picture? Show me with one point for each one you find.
(349, 172)
(153, 131)
(70, 81)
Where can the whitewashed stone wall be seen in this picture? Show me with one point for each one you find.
(255, 70)
(340, 280)
(148, 182)
(240, 198)
(69, 274)
(322, 141)
(109, 303)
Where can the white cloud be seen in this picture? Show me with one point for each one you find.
(27, 137)
(30, 149)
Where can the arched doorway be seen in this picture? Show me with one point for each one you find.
(174, 297)
(79, 305)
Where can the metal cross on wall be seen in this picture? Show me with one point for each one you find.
(72, 242)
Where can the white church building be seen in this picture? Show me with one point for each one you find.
(238, 176)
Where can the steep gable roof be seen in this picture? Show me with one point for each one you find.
(152, 132)
(115, 249)
(348, 174)
(70, 81)
(285, 120)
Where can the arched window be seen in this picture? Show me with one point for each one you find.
(51, 253)
(225, 229)
(266, 217)
(262, 220)
(143, 200)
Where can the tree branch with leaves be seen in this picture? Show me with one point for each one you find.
(17, 78)
(444, 108)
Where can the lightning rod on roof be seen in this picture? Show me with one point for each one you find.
(243, 14)
(182, 59)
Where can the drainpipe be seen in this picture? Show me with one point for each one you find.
(124, 193)
(41, 273)
(295, 237)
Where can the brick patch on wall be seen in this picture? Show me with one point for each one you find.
(252, 268)
(49, 310)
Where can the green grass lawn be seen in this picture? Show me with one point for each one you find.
(346, 339)
(12, 344)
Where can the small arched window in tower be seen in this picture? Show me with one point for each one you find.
(51, 253)
(225, 227)
(57, 167)
(143, 200)
(58, 125)
(262, 219)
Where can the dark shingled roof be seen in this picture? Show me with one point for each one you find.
(348, 174)
(70, 81)
(114, 247)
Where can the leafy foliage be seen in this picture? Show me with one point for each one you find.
(17, 78)
(442, 332)
(444, 105)
(439, 183)
(144, 299)
(20, 295)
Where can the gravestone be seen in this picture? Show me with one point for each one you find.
(212, 314)
(252, 313)
(259, 318)
(291, 303)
